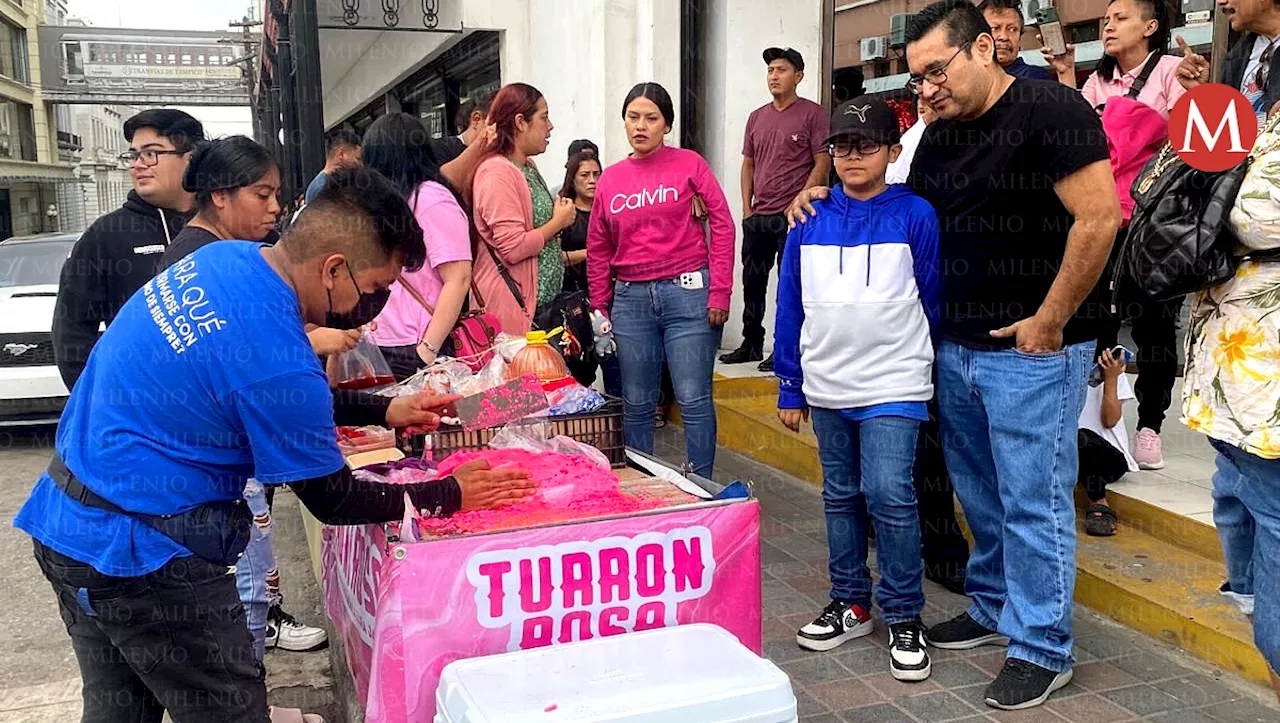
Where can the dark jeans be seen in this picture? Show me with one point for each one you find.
(404, 360)
(175, 640)
(763, 236)
(1155, 332)
(945, 551)
(1100, 464)
(866, 477)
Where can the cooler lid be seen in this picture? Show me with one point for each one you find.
(683, 673)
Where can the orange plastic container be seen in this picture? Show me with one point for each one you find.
(538, 358)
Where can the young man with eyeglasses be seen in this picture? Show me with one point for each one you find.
(1251, 63)
(858, 292)
(1019, 174)
(121, 251)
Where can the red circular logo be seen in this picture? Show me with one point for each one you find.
(1213, 127)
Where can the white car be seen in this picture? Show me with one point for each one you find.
(31, 390)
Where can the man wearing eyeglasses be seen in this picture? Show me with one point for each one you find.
(121, 251)
(1019, 174)
(1252, 60)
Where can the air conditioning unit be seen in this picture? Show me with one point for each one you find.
(898, 29)
(873, 48)
(1029, 10)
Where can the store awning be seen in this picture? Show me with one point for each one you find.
(1198, 36)
(25, 172)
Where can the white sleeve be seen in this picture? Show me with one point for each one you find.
(1124, 390)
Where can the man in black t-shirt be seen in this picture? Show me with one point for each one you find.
(1018, 172)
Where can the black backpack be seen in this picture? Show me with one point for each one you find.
(1179, 241)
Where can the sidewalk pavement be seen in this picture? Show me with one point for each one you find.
(39, 680)
(1121, 675)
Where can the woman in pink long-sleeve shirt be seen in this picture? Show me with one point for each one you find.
(503, 209)
(662, 278)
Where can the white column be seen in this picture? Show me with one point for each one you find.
(737, 33)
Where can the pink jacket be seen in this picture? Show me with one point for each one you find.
(503, 211)
(1135, 133)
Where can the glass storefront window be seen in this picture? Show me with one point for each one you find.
(17, 132)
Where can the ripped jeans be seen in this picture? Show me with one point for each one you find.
(257, 577)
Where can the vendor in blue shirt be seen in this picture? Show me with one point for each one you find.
(205, 378)
(1006, 21)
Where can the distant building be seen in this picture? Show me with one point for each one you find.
(35, 159)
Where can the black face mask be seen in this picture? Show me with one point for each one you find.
(367, 307)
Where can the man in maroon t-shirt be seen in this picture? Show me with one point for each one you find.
(782, 154)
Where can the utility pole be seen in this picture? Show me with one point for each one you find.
(252, 44)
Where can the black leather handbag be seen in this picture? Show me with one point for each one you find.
(1179, 241)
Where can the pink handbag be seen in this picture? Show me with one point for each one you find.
(473, 335)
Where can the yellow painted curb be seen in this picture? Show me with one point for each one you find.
(1159, 575)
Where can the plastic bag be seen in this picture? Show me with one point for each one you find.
(445, 376)
(508, 346)
(363, 367)
(574, 399)
(492, 375)
(535, 436)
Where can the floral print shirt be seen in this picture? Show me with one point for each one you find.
(1231, 386)
(550, 261)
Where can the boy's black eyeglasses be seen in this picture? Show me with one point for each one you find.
(150, 157)
(846, 148)
(937, 76)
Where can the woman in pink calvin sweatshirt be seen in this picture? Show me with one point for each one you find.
(662, 278)
(506, 263)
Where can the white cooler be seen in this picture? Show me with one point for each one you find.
(682, 674)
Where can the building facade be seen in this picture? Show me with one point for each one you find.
(31, 169)
(865, 38)
(584, 55)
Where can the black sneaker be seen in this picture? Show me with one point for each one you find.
(839, 622)
(962, 633)
(1024, 685)
(742, 355)
(908, 658)
(766, 365)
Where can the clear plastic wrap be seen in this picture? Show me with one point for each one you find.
(536, 436)
(574, 399)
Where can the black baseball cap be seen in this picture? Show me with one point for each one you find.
(582, 144)
(791, 56)
(865, 117)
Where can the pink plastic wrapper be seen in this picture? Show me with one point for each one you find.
(570, 488)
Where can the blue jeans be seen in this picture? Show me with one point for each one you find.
(254, 566)
(866, 468)
(1009, 437)
(657, 320)
(1246, 511)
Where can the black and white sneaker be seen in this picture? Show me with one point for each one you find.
(1024, 685)
(963, 633)
(839, 622)
(908, 658)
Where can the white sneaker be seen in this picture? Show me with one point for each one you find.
(908, 656)
(286, 633)
(1148, 451)
(838, 622)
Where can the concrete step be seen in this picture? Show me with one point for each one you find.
(1160, 574)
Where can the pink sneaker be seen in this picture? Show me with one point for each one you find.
(1147, 450)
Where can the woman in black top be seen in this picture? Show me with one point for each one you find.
(581, 173)
(236, 182)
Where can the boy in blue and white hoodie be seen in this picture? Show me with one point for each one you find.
(857, 295)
